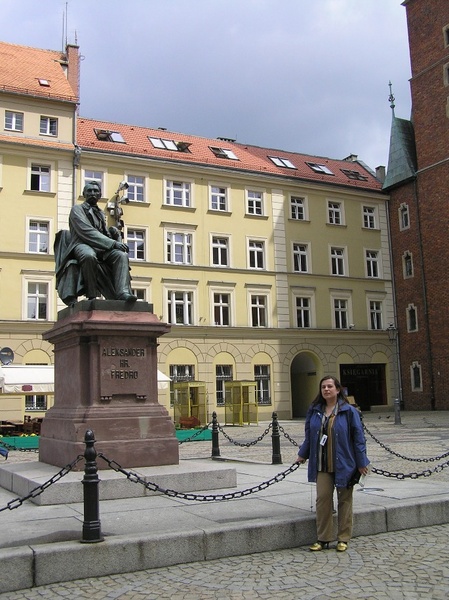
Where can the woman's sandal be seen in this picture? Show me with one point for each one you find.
(342, 546)
(318, 546)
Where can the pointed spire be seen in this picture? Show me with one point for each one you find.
(391, 98)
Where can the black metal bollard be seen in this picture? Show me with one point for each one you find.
(276, 442)
(91, 523)
(215, 445)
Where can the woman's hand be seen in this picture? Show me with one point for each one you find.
(363, 470)
(300, 460)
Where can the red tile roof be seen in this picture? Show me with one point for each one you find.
(21, 68)
(250, 158)
(36, 142)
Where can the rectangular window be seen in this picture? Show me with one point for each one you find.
(40, 178)
(223, 152)
(372, 263)
(369, 217)
(334, 213)
(258, 310)
(180, 308)
(49, 126)
(262, 379)
(340, 313)
(300, 258)
(37, 301)
(220, 251)
(35, 402)
(38, 237)
(254, 203)
(140, 293)
(13, 120)
(407, 262)
(178, 193)
(182, 373)
(256, 250)
(375, 314)
(136, 189)
(96, 176)
(297, 208)
(412, 318)
(222, 305)
(416, 376)
(404, 217)
(282, 162)
(222, 373)
(337, 261)
(179, 248)
(303, 313)
(135, 239)
(218, 198)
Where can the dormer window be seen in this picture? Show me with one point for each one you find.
(104, 135)
(165, 144)
(282, 162)
(318, 168)
(223, 153)
(354, 175)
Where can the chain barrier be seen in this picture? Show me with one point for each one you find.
(287, 437)
(194, 435)
(16, 502)
(245, 444)
(388, 449)
(135, 478)
(426, 473)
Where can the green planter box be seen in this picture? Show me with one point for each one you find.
(16, 441)
(184, 434)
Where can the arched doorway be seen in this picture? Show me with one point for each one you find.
(305, 373)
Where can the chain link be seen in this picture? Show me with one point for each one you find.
(388, 449)
(194, 435)
(16, 502)
(246, 444)
(287, 437)
(135, 478)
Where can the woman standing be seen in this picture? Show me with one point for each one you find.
(335, 446)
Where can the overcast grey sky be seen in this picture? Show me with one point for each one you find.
(308, 76)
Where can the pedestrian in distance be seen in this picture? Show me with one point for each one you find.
(335, 447)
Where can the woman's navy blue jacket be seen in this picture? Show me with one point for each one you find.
(350, 444)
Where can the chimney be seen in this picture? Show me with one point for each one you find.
(73, 68)
(380, 174)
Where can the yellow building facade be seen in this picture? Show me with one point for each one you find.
(270, 266)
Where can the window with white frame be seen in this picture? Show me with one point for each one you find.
(220, 251)
(222, 308)
(140, 293)
(297, 208)
(372, 263)
(35, 402)
(218, 198)
(223, 373)
(404, 217)
(282, 162)
(48, 126)
(164, 144)
(369, 217)
(300, 258)
(319, 168)
(337, 261)
(136, 189)
(407, 265)
(179, 248)
(40, 178)
(179, 373)
(180, 307)
(262, 379)
(178, 193)
(135, 239)
(416, 377)
(256, 254)
(375, 314)
(97, 176)
(254, 203)
(259, 310)
(38, 236)
(13, 120)
(303, 306)
(37, 300)
(223, 153)
(341, 319)
(412, 318)
(334, 213)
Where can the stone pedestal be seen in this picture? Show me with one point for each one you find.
(106, 381)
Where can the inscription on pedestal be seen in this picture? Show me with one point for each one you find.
(123, 367)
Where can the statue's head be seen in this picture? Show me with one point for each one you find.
(92, 192)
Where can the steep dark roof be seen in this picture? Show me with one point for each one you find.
(402, 156)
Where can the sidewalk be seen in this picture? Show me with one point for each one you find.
(40, 544)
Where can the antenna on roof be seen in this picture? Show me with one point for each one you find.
(391, 97)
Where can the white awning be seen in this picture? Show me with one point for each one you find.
(39, 379)
(27, 379)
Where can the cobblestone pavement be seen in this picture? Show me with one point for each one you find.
(405, 565)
